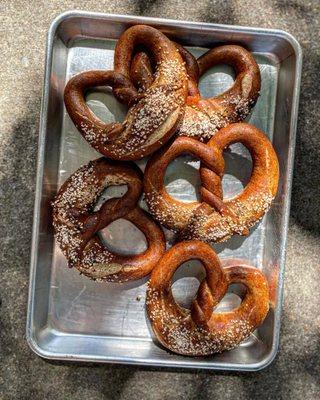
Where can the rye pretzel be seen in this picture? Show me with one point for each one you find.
(76, 223)
(154, 115)
(200, 331)
(203, 117)
(214, 219)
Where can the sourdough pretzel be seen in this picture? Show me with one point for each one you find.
(154, 115)
(200, 331)
(214, 219)
(203, 117)
(76, 224)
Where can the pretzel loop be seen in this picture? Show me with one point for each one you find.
(170, 212)
(201, 331)
(77, 224)
(215, 219)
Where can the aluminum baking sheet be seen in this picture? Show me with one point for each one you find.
(71, 317)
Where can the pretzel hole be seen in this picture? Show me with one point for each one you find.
(216, 80)
(238, 169)
(186, 281)
(232, 299)
(123, 237)
(182, 179)
(105, 106)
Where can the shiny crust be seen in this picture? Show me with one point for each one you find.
(153, 116)
(76, 223)
(214, 219)
(192, 68)
(141, 70)
(203, 117)
(200, 331)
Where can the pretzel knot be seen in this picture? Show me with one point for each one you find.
(214, 219)
(154, 115)
(76, 223)
(204, 116)
(201, 331)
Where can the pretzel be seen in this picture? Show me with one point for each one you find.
(214, 219)
(200, 331)
(76, 223)
(154, 115)
(203, 117)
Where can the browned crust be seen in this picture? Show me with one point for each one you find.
(76, 224)
(142, 70)
(200, 331)
(214, 219)
(203, 117)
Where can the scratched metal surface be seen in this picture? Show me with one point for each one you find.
(71, 317)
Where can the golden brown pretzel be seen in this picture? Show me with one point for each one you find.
(77, 224)
(200, 331)
(154, 115)
(203, 117)
(214, 219)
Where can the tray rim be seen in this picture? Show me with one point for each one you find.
(31, 340)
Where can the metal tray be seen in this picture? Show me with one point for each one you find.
(73, 318)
